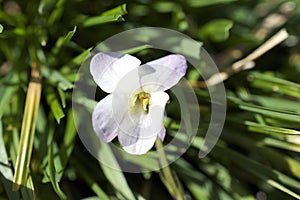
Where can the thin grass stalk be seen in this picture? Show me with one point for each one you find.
(28, 128)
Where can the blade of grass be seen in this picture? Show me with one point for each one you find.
(281, 144)
(51, 165)
(28, 129)
(54, 103)
(64, 40)
(112, 15)
(5, 169)
(67, 145)
(113, 172)
(271, 112)
(270, 82)
(90, 180)
(173, 186)
(57, 78)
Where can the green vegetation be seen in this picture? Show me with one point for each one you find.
(44, 42)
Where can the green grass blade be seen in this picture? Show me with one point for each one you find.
(119, 10)
(89, 179)
(51, 164)
(57, 78)
(202, 3)
(54, 103)
(63, 40)
(27, 134)
(5, 169)
(113, 172)
(272, 83)
(95, 21)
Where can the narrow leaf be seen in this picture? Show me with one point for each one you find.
(114, 173)
(27, 133)
(54, 104)
(57, 78)
(5, 169)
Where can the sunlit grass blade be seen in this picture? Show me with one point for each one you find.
(168, 178)
(119, 10)
(282, 144)
(28, 129)
(270, 130)
(273, 102)
(57, 78)
(54, 103)
(112, 15)
(275, 84)
(63, 40)
(113, 172)
(270, 112)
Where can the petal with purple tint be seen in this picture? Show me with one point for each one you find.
(163, 73)
(103, 120)
(108, 68)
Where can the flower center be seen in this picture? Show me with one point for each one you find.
(145, 100)
(140, 100)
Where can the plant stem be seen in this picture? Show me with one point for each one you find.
(173, 185)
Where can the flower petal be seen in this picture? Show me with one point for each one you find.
(162, 134)
(104, 123)
(138, 132)
(163, 73)
(108, 68)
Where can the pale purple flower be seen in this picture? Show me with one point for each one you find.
(134, 109)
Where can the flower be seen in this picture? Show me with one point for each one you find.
(134, 109)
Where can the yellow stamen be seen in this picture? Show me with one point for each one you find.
(145, 102)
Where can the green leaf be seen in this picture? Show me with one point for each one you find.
(113, 172)
(5, 94)
(27, 134)
(68, 142)
(270, 130)
(270, 112)
(119, 10)
(281, 144)
(5, 169)
(202, 3)
(217, 30)
(57, 78)
(62, 96)
(1, 28)
(270, 82)
(95, 21)
(82, 57)
(56, 13)
(54, 104)
(64, 40)
(52, 169)
(112, 15)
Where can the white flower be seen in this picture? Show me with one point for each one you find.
(134, 109)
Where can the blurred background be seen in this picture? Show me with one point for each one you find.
(42, 45)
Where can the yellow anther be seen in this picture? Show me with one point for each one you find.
(145, 102)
